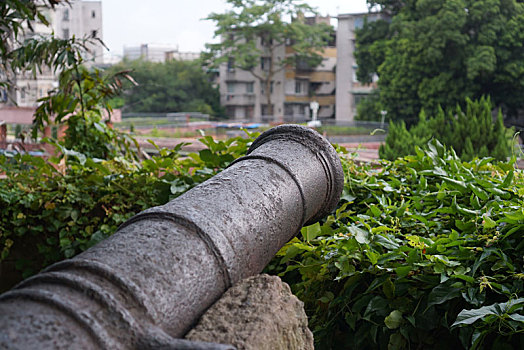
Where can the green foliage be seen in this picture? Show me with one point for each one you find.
(369, 108)
(173, 86)
(79, 103)
(54, 209)
(82, 95)
(16, 16)
(439, 52)
(425, 252)
(471, 133)
(255, 30)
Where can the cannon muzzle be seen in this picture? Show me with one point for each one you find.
(151, 281)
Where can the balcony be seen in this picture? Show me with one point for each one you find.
(240, 99)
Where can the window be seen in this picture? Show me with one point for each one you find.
(302, 64)
(301, 87)
(93, 14)
(3, 95)
(263, 88)
(230, 88)
(298, 87)
(250, 88)
(265, 42)
(250, 111)
(265, 110)
(265, 62)
(357, 98)
(65, 33)
(65, 17)
(230, 64)
(302, 109)
(359, 22)
(230, 111)
(288, 109)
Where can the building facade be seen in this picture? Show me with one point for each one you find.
(292, 89)
(244, 96)
(349, 91)
(80, 19)
(158, 53)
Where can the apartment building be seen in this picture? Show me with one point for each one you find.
(305, 84)
(291, 90)
(28, 89)
(79, 18)
(349, 91)
(245, 97)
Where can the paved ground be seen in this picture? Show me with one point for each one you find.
(367, 151)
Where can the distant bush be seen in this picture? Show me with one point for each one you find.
(471, 133)
(369, 108)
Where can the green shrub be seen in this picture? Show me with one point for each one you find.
(370, 108)
(471, 133)
(55, 209)
(412, 247)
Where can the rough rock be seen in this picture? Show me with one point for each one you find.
(258, 313)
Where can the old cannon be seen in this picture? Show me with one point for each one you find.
(149, 283)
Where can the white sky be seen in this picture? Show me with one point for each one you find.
(179, 22)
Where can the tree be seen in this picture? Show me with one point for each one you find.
(255, 33)
(438, 52)
(81, 96)
(173, 86)
(15, 17)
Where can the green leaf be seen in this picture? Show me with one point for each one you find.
(362, 236)
(375, 211)
(466, 317)
(442, 293)
(508, 179)
(461, 185)
(466, 278)
(311, 232)
(389, 289)
(394, 319)
(517, 215)
(517, 317)
(372, 256)
(479, 192)
(385, 241)
(328, 297)
(403, 271)
(488, 222)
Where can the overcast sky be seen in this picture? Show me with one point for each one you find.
(179, 22)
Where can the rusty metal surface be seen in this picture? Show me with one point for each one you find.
(151, 281)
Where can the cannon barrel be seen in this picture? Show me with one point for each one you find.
(153, 279)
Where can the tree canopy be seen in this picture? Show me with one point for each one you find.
(255, 32)
(173, 86)
(438, 52)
